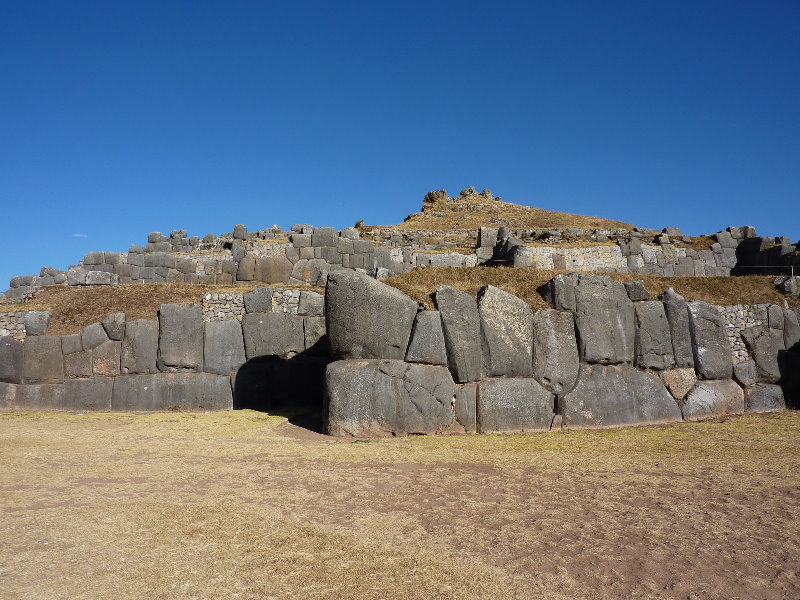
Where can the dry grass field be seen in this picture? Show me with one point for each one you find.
(245, 505)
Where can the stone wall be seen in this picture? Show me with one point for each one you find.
(604, 355)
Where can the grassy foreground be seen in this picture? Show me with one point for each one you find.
(245, 505)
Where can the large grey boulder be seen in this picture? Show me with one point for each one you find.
(259, 300)
(78, 364)
(513, 405)
(106, 358)
(93, 335)
(764, 345)
(387, 397)
(616, 395)
(39, 396)
(745, 372)
(763, 397)
(366, 318)
(180, 337)
(36, 322)
(71, 343)
(314, 333)
(87, 394)
(465, 407)
(604, 318)
(11, 359)
(246, 269)
(636, 291)
(311, 304)
(712, 398)
(677, 312)
(555, 350)
(140, 347)
(506, 333)
(710, 346)
(42, 360)
(791, 329)
(462, 333)
(272, 334)
(172, 391)
(559, 292)
(223, 347)
(114, 325)
(273, 269)
(427, 340)
(653, 340)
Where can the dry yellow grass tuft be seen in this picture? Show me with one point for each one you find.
(421, 283)
(244, 505)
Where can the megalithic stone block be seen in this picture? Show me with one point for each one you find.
(180, 337)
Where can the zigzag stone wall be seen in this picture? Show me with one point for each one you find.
(605, 354)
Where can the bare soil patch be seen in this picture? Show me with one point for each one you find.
(242, 505)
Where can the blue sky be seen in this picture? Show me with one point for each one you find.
(118, 118)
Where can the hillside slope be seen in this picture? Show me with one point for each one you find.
(471, 210)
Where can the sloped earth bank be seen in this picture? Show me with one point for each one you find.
(244, 505)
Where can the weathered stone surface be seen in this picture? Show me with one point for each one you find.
(42, 359)
(616, 395)
(506, 333)
(679, 381)
(604, 319)
(710, 346)
(106, 358)
(259, 300)
(36, 322)
(324, 236)
(746, 372)
(653, 340)
(11, 359)
(465, 408)
(711, 398)
(775, 316)
(8, 395)
(78, 364)
(791, 330)
(366, 318)
(272, 334)
(140, 347)
(223, 347)
(186, 265)
(273, 269)
(559, 292)
(114, 324)
(677, 311)
(427, 340)
(311, 304)
(636, 291)
(87, 394)
(764, 345)
(555, 350)
(39, 396)
(314, 333)
(71, 343)
(462, 333)
(513, 405)
(180, 337)
(763, 397)
(246, 269)
(93, 335)
(387, 397)
(171, 391)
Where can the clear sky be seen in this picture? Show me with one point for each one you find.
(120, 118)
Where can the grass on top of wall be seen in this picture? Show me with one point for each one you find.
(421, 283)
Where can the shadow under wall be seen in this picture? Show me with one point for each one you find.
(789, 368)
(292, 387)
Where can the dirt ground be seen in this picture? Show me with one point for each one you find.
(245, 505)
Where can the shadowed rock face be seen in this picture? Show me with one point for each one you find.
(555, 350)
(653, 339)
(387, 397)
(604, 317)
(764, 344)
(617, 395)
(462, 333)
(427, 340)
(513, 405)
